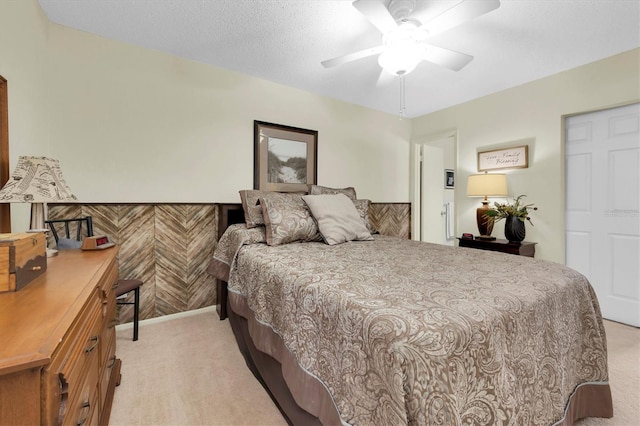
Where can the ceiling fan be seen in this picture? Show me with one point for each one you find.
(404, 38)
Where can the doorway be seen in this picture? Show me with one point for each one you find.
(602, 210)
(433, 165)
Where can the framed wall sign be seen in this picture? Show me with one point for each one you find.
(507, 158)
(284, 157)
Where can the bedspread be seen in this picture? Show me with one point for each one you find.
(405, 332)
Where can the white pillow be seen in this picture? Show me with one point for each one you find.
(337, 218)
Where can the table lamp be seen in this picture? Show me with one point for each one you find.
(486, 185)
(36, 180)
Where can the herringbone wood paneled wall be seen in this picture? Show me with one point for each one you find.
(391, 219)
(169, 246)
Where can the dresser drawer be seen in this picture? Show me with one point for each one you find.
(86, 346)
(107, 367)
(77, 358)
(82, 407)
(108, 329)
(109, 281)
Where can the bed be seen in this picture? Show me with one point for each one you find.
(380, 330)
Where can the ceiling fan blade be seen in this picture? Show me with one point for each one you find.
(377, 14)
(385, 79)
(446, 58)
(460, 13)
(329, 63)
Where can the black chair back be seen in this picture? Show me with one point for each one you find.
(79, 223)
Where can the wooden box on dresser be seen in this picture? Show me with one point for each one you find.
(57, 343)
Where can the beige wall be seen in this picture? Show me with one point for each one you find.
(23, 47)
(134, 125)
(534, 113)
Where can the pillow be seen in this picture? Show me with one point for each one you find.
(287, 219)
(363, 209)
(321, 190)
(252, 209)
(337, 217)
(66, 243)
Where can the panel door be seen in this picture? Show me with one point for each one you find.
(603, 207)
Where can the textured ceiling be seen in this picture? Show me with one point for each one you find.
(284, 41)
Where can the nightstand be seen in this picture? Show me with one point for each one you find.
(524, 248)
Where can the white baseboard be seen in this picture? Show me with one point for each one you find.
(129, 325)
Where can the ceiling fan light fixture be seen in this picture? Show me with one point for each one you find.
(400, 59)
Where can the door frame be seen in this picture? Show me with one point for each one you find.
(415, 173)
(5, 208)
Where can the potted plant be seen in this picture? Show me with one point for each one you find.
(515, 215)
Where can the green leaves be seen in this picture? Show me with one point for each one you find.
(517, 209)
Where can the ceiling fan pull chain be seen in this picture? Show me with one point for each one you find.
(402, 97)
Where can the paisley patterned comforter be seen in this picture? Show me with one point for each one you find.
(405, 332)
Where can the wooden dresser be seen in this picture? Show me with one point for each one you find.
(57, 343)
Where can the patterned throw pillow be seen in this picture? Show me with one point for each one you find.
(337, 218)
(363, 209)
(251, 205)
(321, 190)
(287, 219)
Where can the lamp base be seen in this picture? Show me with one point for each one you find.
(485, 223)
(38, 214)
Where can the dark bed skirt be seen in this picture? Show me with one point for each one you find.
(588, 400)
(268, 371)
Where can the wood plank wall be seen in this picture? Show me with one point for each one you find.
(168, 246)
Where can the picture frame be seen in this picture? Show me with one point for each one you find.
(505, 158)
(449, 179)
(285, 158)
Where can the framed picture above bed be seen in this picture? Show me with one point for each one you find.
(285, 158)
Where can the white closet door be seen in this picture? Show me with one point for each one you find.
(603, 207)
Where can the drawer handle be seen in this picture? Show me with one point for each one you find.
(64, 397)
(88, 406)
(94, 344)
(113, 362)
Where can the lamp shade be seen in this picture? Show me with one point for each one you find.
(36, 180)
(487, 185)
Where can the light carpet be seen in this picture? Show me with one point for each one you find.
(186, 369)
